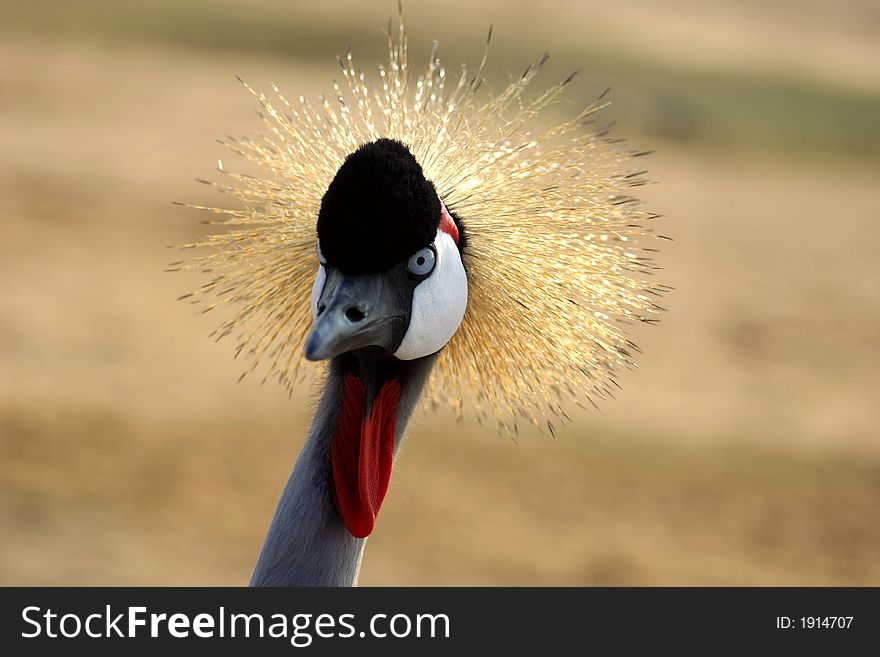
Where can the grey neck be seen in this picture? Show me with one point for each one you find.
(307, 543)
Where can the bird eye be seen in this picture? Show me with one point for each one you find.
(421, 263)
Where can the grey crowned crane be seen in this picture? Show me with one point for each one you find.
(425, 241)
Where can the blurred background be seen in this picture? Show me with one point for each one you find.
(745, 449)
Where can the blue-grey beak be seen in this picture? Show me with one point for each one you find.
(356, 311)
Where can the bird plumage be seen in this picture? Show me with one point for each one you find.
(557, 256)
(308, 543)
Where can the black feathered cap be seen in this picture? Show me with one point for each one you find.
(378, 211)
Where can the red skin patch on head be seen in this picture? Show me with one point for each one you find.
(363, 452)
(447, 223)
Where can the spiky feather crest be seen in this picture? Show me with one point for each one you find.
(558, 253)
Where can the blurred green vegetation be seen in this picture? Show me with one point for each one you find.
(695, 106)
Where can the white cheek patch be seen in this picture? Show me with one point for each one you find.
(317, 288)
(438, 303)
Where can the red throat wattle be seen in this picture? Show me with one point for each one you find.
(362, 453)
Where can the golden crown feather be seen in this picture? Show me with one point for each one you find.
(558, 255)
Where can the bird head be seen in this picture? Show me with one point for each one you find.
(483, 226)
(390, 270)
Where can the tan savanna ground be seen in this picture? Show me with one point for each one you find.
(744, 450)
